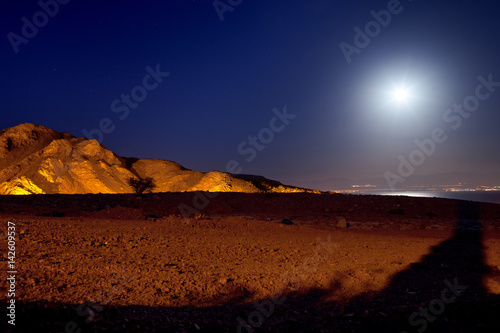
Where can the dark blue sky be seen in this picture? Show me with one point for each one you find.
(226, 77)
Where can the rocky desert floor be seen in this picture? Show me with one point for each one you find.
(252, 263)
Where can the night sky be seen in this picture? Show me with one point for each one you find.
(312, 82)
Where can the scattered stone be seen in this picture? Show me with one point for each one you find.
(342, 223)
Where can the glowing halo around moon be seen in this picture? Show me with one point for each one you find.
(399, 93)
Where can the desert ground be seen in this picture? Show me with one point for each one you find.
(253, 263)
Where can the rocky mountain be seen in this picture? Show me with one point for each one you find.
(35, 160)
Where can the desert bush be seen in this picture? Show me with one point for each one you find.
(142, 185)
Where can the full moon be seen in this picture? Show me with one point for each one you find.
(400, 94)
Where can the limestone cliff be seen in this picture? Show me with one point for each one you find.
(37, 160)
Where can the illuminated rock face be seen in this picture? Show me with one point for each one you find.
(37, 160)
(20, 185)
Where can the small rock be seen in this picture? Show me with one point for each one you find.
(342, 223)
(224, 281)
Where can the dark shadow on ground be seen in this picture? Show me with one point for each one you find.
(442, 293)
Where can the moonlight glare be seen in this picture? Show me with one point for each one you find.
(401, 95)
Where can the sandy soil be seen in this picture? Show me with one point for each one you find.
(253, 263)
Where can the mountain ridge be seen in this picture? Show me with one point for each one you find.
(35, 159)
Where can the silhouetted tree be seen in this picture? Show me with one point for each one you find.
(142, 185)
